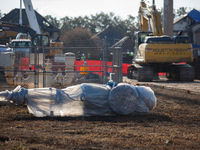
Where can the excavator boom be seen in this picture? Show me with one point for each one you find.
(150, 19)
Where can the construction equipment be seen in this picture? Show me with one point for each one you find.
(33, 30)
(155, 52)
(56, 44)
(6, 35)
(196, 61)
(39, 38)
(9, 31)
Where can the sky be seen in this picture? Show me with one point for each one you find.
(75, 8)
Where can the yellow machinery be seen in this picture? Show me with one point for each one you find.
(54, 51)
(155, 52)
(9, 31)
(5, 34)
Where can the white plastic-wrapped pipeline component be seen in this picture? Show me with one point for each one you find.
(147, 95)
(123, 99)
(84, 100)
(78, 100)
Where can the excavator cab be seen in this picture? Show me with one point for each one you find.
(140, 38)
(40, 40)
(181, 39)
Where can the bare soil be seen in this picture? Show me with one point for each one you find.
(173, 124)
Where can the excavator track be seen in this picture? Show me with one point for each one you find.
(140, 72)
(181, 72)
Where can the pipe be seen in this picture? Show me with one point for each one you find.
(9, 75)
(29, 81)
(61, 80)
(10, 80)
(68, 79)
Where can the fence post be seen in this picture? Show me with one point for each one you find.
(106, 55)
(43, 64)
(121, 64)
(104, 59)
(35, 66)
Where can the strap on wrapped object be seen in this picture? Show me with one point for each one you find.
(18, 95)
(58, 93)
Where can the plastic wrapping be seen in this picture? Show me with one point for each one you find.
(84, 100)
(147, 95)
(78, 100)
(127, 99)
(123, 99)
(141, 109)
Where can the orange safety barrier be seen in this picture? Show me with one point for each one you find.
(94, 66)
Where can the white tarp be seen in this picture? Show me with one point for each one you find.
(123, 99)
(84, 100)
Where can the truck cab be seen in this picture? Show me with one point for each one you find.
(21, 48)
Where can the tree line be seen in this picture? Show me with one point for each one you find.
(90, 25)
(94, 23)
(100, 21)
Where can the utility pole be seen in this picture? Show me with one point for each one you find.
(168, 18)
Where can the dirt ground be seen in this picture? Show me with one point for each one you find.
(173, 124)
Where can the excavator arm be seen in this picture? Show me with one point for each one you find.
(9, 28)
(150, 19)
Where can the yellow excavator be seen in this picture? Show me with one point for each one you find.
(155, 52)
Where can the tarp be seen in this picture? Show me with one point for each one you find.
(4, 48)
(84, 100)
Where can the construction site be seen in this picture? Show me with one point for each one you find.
(92, 97)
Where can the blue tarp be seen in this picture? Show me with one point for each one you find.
(4, 48)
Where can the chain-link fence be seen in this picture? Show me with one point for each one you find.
(196, 52)
(38, 67)
(196, 62)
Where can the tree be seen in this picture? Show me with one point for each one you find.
(98, 22)
(1, 14)
(72, 23)
(82, 37)
(79, 37)
(53, 20)
(181, 11)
